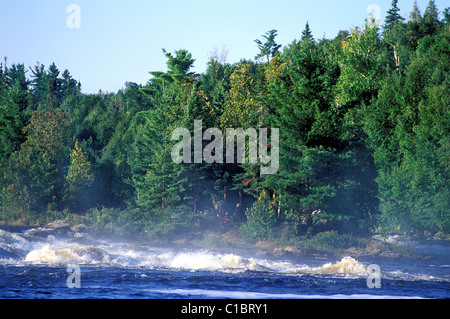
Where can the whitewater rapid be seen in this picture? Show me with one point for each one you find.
(28, 249)
(56, 247)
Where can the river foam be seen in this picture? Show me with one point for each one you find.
(43, 246)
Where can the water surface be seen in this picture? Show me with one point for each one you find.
(34, 264)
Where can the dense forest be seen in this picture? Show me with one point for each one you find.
(364, 121)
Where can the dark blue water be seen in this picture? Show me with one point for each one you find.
(118, 283)
(34, 265)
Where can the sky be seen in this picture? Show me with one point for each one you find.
(106, 43)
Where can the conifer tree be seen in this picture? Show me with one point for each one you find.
(40, 86)
(393, 17)
(415, 15)
(307, 34)
(413, 27)
(430, 23)
(269, 48)
(38, 165)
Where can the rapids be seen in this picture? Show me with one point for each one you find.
(35, 260)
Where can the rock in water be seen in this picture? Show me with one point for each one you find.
(58, 224)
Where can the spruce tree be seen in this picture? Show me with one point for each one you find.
(393, 17)
(40, 86)
(307, 34)
(430, 23)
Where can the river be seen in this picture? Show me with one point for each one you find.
(51, 263)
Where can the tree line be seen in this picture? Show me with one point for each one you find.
(364, 137)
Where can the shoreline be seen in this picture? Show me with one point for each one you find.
(232, 242)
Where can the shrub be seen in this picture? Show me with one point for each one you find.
(261, 219)
(329, 241)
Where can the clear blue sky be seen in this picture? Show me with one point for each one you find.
(121, 40)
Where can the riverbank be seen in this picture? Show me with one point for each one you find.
(35, 261)
(326, 244)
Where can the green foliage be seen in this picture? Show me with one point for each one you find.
(364, 139)
(261, 219)
(270, 48)
(36, 171)
(241, 109)
(393, 17)
(408, 128)
(79, 179)
(143, 222)
(329, 241)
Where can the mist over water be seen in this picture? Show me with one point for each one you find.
(34, 261)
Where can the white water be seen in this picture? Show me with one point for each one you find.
(38, 258)
(41, 247)
(258, 295)
(122, 255)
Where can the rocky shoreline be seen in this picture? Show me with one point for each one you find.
(375, 247)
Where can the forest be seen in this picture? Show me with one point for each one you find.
(364, 147)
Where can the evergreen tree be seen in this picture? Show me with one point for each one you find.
(215, 83)
(40, 86)
(178, 68)
(430, 23)
(447, 17)
(392, 18)
(14, 115)
(37, 169)
(407, 129)
(413, 31)
(155, 176)
(68, 85)
(298, 94)
(269, 48)
(415, 15)
(159, 182)
(55, 86)
(17, 73)
(307, 34)
(3, 76)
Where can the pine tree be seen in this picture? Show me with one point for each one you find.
(215, 83)
(158, 181)
(398, 53)
(447, 17)
(407, 128)
(270, 48)
(178, 65)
